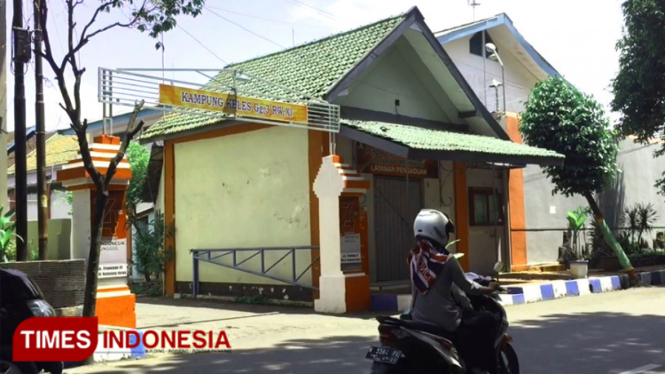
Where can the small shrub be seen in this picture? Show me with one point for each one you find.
(151, 257)
(147, 289)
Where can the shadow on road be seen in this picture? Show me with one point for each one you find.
(226, 306)
(333, 355)
(572, 344)
(590, 343)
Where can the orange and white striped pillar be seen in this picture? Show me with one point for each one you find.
(115, 303)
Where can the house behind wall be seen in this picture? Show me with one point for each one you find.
(546, 214)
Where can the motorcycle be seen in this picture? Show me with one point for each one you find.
(20, 299)
(412, 347)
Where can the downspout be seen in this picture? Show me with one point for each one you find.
(496, 218)
(507, 222)
(484, 69)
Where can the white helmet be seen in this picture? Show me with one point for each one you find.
(433, 225)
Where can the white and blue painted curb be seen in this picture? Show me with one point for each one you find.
(532, 293)
(103, 354)
(114, 353)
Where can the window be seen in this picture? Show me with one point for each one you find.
(476, 44)
(485, 207)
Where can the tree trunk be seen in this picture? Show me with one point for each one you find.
(611, 241)
(92, 272)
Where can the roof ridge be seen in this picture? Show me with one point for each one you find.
(318, 40)
(463, 25)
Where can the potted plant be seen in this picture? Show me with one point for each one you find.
(579, 265)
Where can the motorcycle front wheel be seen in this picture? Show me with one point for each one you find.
(508, 360)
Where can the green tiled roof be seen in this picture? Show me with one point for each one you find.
(60, 149)
(312, 68)
(437, 140)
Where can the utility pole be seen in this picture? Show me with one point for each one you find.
(22, 56)
(42, 197)
(4, 199)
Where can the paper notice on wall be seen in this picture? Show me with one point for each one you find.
(112, 271)
(351, 248)
(113, 251)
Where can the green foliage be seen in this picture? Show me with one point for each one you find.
(7, 233)
(559, 117)
(640, 220)
(639, 87)
(139, 158)
(147, 289)
(576, 224)
(33, 251)
(69, 198)
(156, 16)
(149, 245)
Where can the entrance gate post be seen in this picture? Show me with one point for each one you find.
(115, 303)
(339, 292)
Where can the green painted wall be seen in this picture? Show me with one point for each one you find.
(240, 191)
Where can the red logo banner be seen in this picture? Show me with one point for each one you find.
(41, 339)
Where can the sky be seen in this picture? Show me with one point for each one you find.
(577, 37)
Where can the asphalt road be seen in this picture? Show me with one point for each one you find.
(615, 333)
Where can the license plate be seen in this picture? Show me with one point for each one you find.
(384, 355)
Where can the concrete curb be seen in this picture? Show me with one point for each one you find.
(115, 353)
(537, 292)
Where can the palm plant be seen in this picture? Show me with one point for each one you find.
(646, 218)
(576, 224)
(639, 220)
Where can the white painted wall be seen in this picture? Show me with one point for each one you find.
(484, 245)
(245, 190)
(81, 224)
(634, 185)
(519, 79)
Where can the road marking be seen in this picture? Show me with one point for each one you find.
(642, 369)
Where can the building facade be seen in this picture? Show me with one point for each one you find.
(411, 126)
(538, 218)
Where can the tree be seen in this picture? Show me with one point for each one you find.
(639, 87)
(139, 158)
(154, 17)
(559, 117)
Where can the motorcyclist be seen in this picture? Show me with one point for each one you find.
(440, 285)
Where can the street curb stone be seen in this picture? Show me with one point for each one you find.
(538, 292)
(115, 354)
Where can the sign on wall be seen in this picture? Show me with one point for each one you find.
(227, 103)
(113, 251)
(375, 161)
(351, 248)
(112, 271)
(353, 232)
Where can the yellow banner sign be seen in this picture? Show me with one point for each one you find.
(228, 103)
